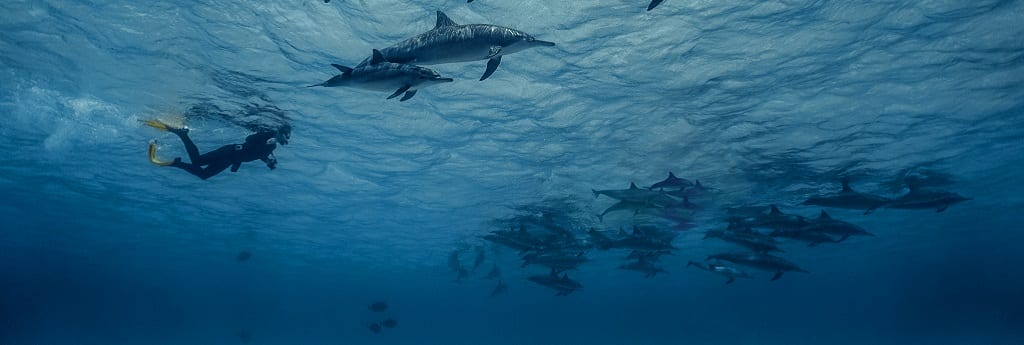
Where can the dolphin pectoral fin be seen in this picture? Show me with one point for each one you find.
(400, 91)
(408, 95)
(493, 52)
(868, 211)
(654, 4)
(843, 238)
(777, 275)
(942, 208)
(492, 65)
(730, 280)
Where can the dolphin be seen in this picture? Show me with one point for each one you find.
(917, 198)
(813, 238)
(671, 182)
(479, 259)
(748, 238)
(634, 206)
(494, 273)
(654, 3)
(696, 190)
(727, 271)
(776, 220)
(649, 255)
(557, 262)
(849, 199)
(764, 262)
(380, 75)
(562, 284)
(449, 42)
(635, 194)
(644, 266)
(826, 224)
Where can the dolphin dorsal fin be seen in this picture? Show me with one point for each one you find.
(671, 175)
(632, 186)
(698, 184)
(343, 69)
(377, 57)
(846, 186)
(443, 20)
(775, 210)
(824, 215)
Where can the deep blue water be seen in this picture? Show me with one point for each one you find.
(767, 102)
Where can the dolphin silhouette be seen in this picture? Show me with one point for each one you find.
(449, 42)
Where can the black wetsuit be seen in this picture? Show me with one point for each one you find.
(255, 147)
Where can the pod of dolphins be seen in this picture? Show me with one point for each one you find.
(556, 239)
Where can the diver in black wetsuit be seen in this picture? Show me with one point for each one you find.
(257, 146)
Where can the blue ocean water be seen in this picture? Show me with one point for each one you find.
(765, 102)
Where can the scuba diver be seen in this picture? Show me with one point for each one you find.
(259, 146)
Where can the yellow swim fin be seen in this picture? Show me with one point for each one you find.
(152, 155)
(155, 123)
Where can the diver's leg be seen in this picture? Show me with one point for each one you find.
(190, 147)
(222, 154)
(203, 173)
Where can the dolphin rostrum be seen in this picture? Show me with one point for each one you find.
(449, 42)
(380, 75)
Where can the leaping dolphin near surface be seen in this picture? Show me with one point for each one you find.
(380, 75)
(449, 42)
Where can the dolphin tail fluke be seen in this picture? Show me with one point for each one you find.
(727, 282)
(408, 95)
(492, 65)
(400, 91)
(596, 194)
(777, 275)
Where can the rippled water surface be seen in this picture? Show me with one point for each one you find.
(765, 102)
